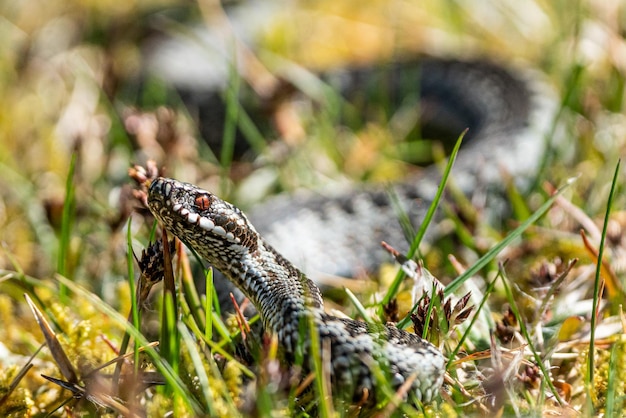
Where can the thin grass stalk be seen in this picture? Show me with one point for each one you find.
(169, 315)
(67, 220)
(431, 306)
(326, 409)
(490, 288)
(230, 124)
(134, 309)
(596, 286)
(169, 330)
(359, 306)
(524, 330)
(495, 250)
(395, 285)
(190, 294)
(208, 307)
(612, 398)
(198, 366)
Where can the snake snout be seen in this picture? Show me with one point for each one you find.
(160, 190)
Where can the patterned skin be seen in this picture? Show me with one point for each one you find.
(287, 300)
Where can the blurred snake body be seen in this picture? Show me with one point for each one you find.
(337, 231)
(289, 302)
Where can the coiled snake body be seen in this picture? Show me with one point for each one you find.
(287, 300)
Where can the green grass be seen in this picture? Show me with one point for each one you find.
(68, 133)
(597, 284)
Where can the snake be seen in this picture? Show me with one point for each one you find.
(289, 302)
(336, 229)
(337, 232)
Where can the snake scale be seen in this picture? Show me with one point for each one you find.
(338, 232)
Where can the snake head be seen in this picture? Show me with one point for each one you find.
(200, 219)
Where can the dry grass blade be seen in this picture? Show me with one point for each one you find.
(123, 357)
(613, 284)
(62, 361)
(556, 286)
(97, 394)
(242, 322)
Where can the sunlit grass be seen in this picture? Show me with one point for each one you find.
(68, 132)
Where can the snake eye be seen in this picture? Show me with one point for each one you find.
(202, 202)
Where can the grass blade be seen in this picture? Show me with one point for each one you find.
(395, 285)
(493, 252)
(169, 337)
(131, 283)
(134, 311)
(196, 359)
(359, 306)
(66, 226)
(59, 355)
(526, 334)
(596, 285)
(208, 308)
(230, 124)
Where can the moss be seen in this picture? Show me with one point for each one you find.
(20, 402)
(607, 363)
